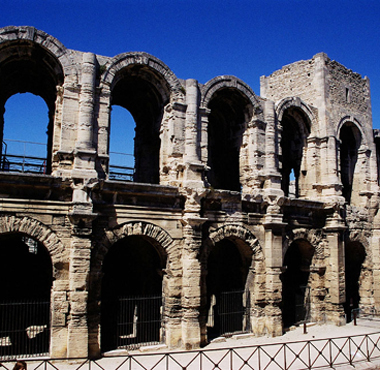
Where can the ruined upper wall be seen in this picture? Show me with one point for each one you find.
(296, 79)
(336, 91)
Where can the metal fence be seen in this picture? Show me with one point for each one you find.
(139, 321)
(24, 329)
(301, 355)
(228, 314)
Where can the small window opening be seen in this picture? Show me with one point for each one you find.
(348, 95)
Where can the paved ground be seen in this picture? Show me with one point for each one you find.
(238, 352)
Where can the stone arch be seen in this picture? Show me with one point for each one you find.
(39, 232)
(134, 228)
(303, 281)
(297, 102)
(358, 273)
(31, 34)
(314, 236)
(221, 82)
(34, 62)
(352, 150)
(233, 280)
(231, 107)
(295, 120)
(145, 87)
(238, 232)
(165, 252)
(352, 120)
(173, 90)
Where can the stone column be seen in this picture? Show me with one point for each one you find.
(270, 138)
(193, 167)
(84, 152)
(191, 127)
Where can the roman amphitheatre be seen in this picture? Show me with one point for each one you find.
(243, 212)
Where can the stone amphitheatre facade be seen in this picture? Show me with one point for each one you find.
(273, 197)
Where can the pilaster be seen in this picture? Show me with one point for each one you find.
(273, 237)
(81, 218)
(335, 269)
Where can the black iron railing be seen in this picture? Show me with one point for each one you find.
(228, 314)
(24, 157)
(24, 328)
(139, 321)
(121, 166)
(121, 173)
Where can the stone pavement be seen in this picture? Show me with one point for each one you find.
(295, 350)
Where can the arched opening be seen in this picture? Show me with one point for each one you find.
(229, 112)
(295, 283)
(132, 294)
(354, 258)
(295, 130)
(350, 139)
(25, 143)
(228, 302)
(139, 91)
(121, 147)
(27, 67)
(26, 281)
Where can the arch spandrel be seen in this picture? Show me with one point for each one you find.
(39, 232)
(221, 82)
(173, 88)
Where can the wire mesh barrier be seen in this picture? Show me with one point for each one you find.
(139, 321)
(313, 354)
(24, 329)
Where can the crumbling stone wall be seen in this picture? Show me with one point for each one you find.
(215, 172)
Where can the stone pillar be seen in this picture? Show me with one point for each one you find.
(191, 127)
(193, 167)
(376, 261)
(274, 228)
(191, 267)
(59, 313)
(335, 269)
(84, 155)
(270, 139)
(272, 172)
(81, 218)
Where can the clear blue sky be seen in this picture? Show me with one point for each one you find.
(204, 39)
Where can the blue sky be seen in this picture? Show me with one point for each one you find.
(204, 39)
